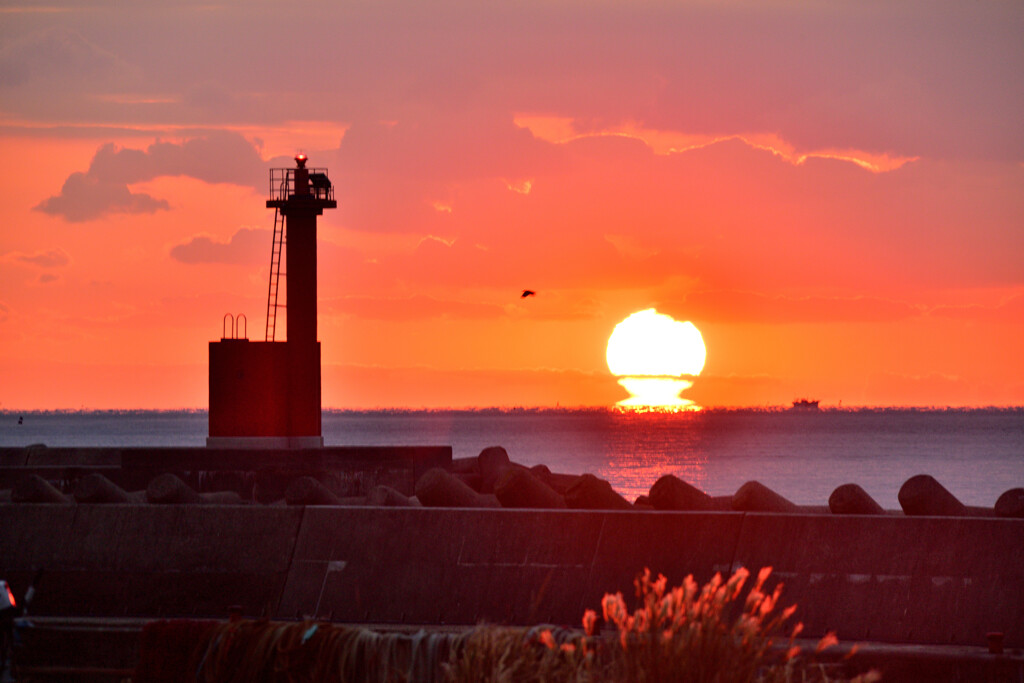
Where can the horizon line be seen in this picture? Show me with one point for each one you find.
(547, 408)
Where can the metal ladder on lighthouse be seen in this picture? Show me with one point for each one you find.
(275, 274)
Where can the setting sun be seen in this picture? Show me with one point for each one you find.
(647, 352)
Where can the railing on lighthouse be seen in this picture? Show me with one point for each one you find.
(282, 184)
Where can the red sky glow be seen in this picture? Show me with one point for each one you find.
(833, 193)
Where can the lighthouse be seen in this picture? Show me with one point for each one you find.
(267, 393)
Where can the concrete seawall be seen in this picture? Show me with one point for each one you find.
(923, 580)
(255, 474)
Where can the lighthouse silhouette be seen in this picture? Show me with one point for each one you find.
(267, 394)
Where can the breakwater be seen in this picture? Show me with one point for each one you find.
(927, 580)
(885, 578)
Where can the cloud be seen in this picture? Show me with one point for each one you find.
(61, 55)
(930, 79)
(561, 130)
(53, 258)
(363, 386)
(47, 278)
(416, 307)
(247, 246)
(84, 198)
(751, 307)
(1010, 310)
(218, 157)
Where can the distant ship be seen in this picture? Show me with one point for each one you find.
(804, 404)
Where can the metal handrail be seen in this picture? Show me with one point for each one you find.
(282, 185)
(233, 326)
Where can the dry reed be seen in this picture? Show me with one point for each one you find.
(716, 633)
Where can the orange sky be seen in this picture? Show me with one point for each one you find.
(834, 195)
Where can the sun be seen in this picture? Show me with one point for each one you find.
(650, 352)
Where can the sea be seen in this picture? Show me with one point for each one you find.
(803, 455)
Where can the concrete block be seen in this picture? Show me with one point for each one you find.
(222, 498)
(309, 491)
(517, 488)
(168, 489)
(851, 499)
(95, 488)
(720, 504)
(1011, 504)
(438, 488)
(471, 479)
(590, 493)
(923, 495)
(35, 489)
(385, 496)
(672, 493)
(559, 482)
(465, 466)
(754, 496)
(491, 462)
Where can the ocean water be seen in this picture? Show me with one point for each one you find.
(976, 454)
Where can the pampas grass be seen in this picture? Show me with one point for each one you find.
(691, 634)
(720, 632)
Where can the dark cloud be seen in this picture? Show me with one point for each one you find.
(54, 258)
(59, 54)
(247, 246)
(84, 197)
(415, 307)
(934, 78)
(1011, 310)
(751, 307)
(47, 278)
(218, 157)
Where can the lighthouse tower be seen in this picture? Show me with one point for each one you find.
(267, 394)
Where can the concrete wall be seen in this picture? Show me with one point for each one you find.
(135, 560)
(893, 579)
(265, 473)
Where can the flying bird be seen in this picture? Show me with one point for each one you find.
(526, 293)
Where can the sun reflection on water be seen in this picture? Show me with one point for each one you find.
(642, 444)
(658, 393)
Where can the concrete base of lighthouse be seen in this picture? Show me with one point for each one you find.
(256, 442)
(264, 395)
